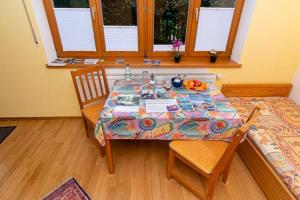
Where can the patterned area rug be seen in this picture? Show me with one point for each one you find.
(70, 190)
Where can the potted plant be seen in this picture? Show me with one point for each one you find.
(176, 44)
(213, 56)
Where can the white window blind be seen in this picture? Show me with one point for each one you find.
(121, 38)
(75, 29)
(213, 28)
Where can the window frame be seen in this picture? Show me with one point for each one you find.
(150, 24)
(49, 9)
(232, 33)
(141, 31)
(145, 23)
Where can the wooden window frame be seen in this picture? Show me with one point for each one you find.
(141, 32)
(150, 25)
(48, 5)
(145, 25)
(191, 34)
(232, 33)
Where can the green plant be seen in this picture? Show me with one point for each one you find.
(218, 3)
(71, 3)
(170, 20)
(119, 12)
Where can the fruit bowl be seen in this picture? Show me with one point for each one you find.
(196, 85)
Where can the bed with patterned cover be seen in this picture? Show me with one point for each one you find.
(276, 134)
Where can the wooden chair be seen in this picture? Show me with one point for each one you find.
(209, 158)
(92, 90)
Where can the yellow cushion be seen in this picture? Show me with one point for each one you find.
(203, 154)
(92, 112)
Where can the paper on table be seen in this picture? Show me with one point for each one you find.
(159, 105)
(126, 109)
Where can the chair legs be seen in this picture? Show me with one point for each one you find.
(225, 174)
(226, 171)
(99, 147)
(101, 151)
(88, 130)
(86, 125)
(210, 188)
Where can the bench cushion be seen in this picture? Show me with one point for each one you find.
(276, 134)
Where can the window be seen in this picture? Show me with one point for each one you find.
(120, 28)
(120, 25)
(214, 26)
(71, 3)
(170, 22)
(73, 26)
(218, 3)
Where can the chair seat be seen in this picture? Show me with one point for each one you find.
(203, 154)
(92, 112)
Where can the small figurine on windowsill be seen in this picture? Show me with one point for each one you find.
(213, 56)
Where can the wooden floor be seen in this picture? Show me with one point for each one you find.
(41, 154)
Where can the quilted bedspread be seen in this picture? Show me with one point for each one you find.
(277, 134)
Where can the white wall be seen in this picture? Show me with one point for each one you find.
(243, 30)
(295, 94)
(41, 19)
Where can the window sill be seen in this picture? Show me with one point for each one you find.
(195, 62)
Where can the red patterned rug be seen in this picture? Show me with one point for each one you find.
(70, 190)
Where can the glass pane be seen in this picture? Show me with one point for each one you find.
(170, 20)
(218, 3)
(214, 24)
(119, 12)
(75, 29)
(71, 3)
(120, 25)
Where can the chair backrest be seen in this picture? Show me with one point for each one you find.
(238, 136)
(90, 84)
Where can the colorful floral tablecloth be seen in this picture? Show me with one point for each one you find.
(197, 124)
(276, 134)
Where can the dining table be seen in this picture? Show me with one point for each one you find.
(196, 115)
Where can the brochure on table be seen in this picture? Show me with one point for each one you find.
(160, 101)
(159, 105)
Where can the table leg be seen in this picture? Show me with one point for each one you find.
(109, 157)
